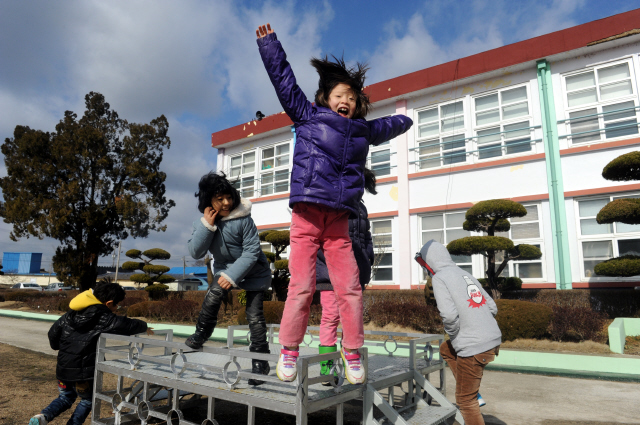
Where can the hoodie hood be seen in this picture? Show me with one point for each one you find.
(436, 256)
(241, 210)
(83, 300)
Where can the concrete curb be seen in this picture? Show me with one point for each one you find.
(610, 368)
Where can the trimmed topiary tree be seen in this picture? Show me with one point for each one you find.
(625, 210)
(152, 273)
(279, 239)
(490, 217)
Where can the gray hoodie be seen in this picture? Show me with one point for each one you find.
(467, 311)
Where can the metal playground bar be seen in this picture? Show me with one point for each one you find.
(159, 378)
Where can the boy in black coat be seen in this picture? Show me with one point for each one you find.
(75, 336)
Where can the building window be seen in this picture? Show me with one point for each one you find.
(382, 247)
(601, 103)
(379, 160)
(243, 168)
(502, 123)
(441, 136)
(274, 170)
(445, 228)
(524, 230)
(601, 242)
(270, 176)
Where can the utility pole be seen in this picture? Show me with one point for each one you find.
(184, 267)
(118, 264)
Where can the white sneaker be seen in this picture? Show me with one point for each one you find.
(38, 419)
(353, 368)
(286, 368)
(481, 401)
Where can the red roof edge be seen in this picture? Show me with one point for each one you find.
(512, 54)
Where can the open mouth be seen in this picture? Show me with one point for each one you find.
(343, 112)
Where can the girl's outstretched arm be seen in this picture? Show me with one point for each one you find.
(293, 100)
(387, 128)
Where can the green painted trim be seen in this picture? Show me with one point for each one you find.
(561, 256)
(619, 330)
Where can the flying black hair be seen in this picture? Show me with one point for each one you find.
(214, 184)
(105, 292)
(335, 72)
(370, 181)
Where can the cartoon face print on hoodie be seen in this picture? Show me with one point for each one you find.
(476, 299)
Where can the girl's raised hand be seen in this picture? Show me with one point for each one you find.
(210, 215)
(263, 31)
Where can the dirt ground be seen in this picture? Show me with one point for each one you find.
(31, 387)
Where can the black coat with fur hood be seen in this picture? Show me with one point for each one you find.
(76, 334)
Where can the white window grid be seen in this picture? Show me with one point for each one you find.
(601, 242)
(440, 136)
(382, 234)
(444, 228)
(601, 103)
(525, 230)
(242, 171)
(263, 171)
(502, 123)
(274, 169)
(379, 159)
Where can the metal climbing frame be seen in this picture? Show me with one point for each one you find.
(161, 378)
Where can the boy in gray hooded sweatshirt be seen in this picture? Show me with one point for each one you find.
(468, 313)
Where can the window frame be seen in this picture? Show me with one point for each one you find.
(599, 105)
(499, 127)
(262, 172)
(259, 173)
(451, 144)
(613, 236)
(514, 264)
(468, 266)
(387, 250)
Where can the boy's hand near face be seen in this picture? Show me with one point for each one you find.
(262, 31)
(210, 215)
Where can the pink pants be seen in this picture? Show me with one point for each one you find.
(315, 226)
(330, 319)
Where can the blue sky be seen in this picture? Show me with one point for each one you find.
(197, 63)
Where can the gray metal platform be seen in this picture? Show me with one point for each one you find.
(154, 378)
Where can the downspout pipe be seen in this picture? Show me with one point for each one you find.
(561, 258)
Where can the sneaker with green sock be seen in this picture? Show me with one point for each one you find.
(327, 365)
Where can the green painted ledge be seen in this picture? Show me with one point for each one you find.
(619, 330)
(612, 368)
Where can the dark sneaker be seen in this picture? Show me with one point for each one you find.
(260, 367)
(195, 341)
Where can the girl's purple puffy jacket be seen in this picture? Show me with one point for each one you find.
(331, 151)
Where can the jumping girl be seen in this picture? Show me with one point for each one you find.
(332, 143)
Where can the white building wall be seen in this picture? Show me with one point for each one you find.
(522, 175)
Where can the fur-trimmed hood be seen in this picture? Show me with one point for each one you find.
(242, 210)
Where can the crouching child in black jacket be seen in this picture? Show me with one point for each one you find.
(75, 336)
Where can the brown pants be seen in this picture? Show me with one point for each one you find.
(467, 372)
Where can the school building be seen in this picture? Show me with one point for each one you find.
(534, 122)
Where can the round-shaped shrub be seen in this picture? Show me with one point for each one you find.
(522, 319)
(625, 266)
(157, 292)
(141, 309)
(272, 312)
